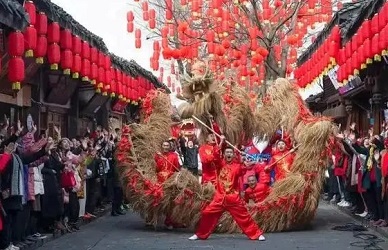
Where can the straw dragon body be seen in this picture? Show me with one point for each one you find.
(292, 202)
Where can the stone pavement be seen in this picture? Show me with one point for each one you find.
(128, 232)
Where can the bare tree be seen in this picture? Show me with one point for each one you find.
(253, 40)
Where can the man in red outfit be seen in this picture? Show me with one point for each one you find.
(167, 163)
(256, 192)
(210, 154)
(282, 160)
(227, 198)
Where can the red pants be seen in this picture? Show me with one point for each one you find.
(236, 207)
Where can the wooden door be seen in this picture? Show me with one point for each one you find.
(59, 120)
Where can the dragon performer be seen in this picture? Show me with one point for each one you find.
(225, 110)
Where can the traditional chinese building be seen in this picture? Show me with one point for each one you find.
(62, 74)
(348, 60)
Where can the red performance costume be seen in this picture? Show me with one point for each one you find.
(227, 198)
(261, 190)
(282, 159)
(210, 158)
(166, 165)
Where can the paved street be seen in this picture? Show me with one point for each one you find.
(128, 232)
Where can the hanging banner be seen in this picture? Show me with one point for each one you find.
(333, 76)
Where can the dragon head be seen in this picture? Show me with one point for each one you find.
(188, 128)
(199, 84)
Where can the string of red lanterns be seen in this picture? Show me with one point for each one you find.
(30, 34)
(16, 50)
(41, 47)
(367, 45)
(323, 59)
(76, 58)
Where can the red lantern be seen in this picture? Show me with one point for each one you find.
(16, 44)
(77, 65)
(53, 33)
(30, 39)
(137, 43)
(30, 34)
(130, 16)
(101, 59)
(152, 24)
(108, 62)
(113, 89)
(85, 70)
(31, 10)
(54, 55)
(77, 45)
(101, 77)
(108, 80)
(130, 27)
(41, 24)
(41, 49)
(66, 41)
(85, 50)
(66, 61)
(94, 55)
(94, 73)
(16, 72)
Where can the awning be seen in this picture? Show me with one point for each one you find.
(13, 15)
(336, 112)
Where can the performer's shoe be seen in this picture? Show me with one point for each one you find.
(170, 227)
(261, 238)
(365, 213)
(194, 237)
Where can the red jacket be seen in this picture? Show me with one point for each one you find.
(4, 160)
(256, 194)
(211, 160)
(166, 165)
(228, 181)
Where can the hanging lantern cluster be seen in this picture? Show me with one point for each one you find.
(76, 57)
(154, 60)
(41, 47)
(16, 50)
(227, 35)
(108, 76)
(53, 51)
(368, 45)
(130, 19)
(137, 38)
(94, 67)
(86, 65)
(77, 60)
(66, 43)
(323, 59)
(30, 34)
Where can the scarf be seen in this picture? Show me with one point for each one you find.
(369, 163)
(17, 181)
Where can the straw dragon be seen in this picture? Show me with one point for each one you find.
(292, 202)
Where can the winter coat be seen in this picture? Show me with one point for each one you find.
(52, 200)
